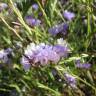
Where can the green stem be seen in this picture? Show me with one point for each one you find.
(9, 27)
(48, 22)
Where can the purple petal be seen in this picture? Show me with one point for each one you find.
(61, 50)
(61, 28)
(84, 65)
(32, 21)
(68, 15)
(35, 6)
(25, 63)
(70, 80)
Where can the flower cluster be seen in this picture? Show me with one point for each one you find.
(5, 55)
(71, 80)
(32, 21)
(60, 28)
(35, 6)
(82, 65)
(68, 15)
(42, 54)
(3, 6)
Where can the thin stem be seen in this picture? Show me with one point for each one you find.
(11, 28)
(48, 22)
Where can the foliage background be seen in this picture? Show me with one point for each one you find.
(81, 37)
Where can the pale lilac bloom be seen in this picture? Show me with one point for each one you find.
(32, 21)
(8, 50)
(82, 65)
(3, 6)
(68, 15)
(4, 55)
(85, 65)
(60, 28)
(53, 56)
(71, 80)
(62, 47)
(46, 56)
(61, 50)
(35, 6)
(41, 54)
(25, 62)
(41, 57)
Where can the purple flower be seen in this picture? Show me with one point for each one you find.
(71, 80)
(3, 6)
(41, 54)
(4, 55)
(61, 50)
(82, 65)
(25, 62)
(32, 21)
(8, 51)
(47, 55)
(68, 15)
(61, 28)
(35, 6)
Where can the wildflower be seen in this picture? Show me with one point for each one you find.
(71, 80)
(32, 21)
(35, 6)
(68, 15)
(2, 54)
(3, 6)
(25, 63)
(82, 65)
(62, 47)
(8, 50)
(61, 28)
(5, 55)
(42, 54)
(61, 50)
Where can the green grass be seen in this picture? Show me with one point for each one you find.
(81, 38)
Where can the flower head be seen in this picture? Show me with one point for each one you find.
(32, 21)
(61, 50)
(3, 6)
(71, 80)
(5, 55)
(35, 6)
(68, 15)
(25, 63)
(82, 65)
(61, 28)
(41, 54)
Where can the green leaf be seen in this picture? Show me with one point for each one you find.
(48, 88)
(16, 87)
(90, 76)
(26, 85)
